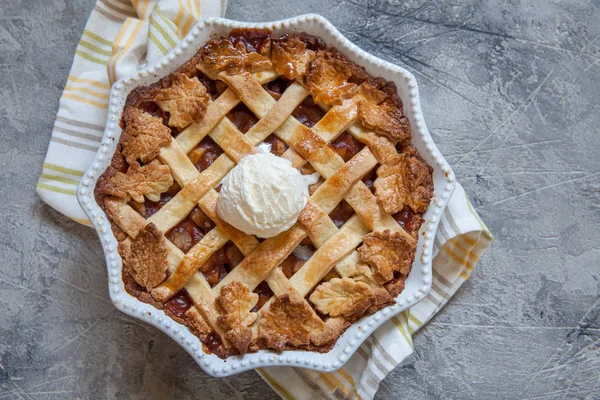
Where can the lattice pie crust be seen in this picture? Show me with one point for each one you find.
(354, 243)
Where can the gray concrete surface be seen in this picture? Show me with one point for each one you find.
(510, 93)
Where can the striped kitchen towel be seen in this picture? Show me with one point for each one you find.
(461, 240)
(122, 36)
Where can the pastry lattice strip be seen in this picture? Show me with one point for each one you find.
(328, 128)
(236, 146)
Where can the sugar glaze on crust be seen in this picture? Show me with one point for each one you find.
(315, 108)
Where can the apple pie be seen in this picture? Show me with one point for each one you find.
(352, 243)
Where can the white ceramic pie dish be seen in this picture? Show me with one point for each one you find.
(418, 283)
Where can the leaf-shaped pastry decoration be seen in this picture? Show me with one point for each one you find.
(186, 100)
(387, 253)
(143, 136)
(150, 180)
(146, 257)
(235, 303)
(404, 180)
(291, 56)
(343, 296)
(386, 119)
(289, 320)
(222, 55)
(327, 78)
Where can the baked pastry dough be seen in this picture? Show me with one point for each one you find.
(354, 243)
(185, 100)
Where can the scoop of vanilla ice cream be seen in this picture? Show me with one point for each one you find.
(263, 195)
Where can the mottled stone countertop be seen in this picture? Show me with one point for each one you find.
(510, 92)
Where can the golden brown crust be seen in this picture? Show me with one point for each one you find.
(197, 324)
(381, 297)
(387, 253)
(222, 55)
(143, 136)
(120, 235)
(338, 297)
(291, 56)
(117, 163)
(289, 320)
(395, 286)
(404, 180)
(386, 119)
(375, 91)
(143, 97)
(135, 289)
(342, 297)
(235, 303)
(186, 100)
(240, 337)
(149, 180)
(332, 330)
(380, 109)
(328, 76)
(146, 257)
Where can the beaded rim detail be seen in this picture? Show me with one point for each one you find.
(418, 283)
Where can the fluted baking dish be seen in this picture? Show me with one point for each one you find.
(418, 282)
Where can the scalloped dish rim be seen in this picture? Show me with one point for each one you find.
(419, 281)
